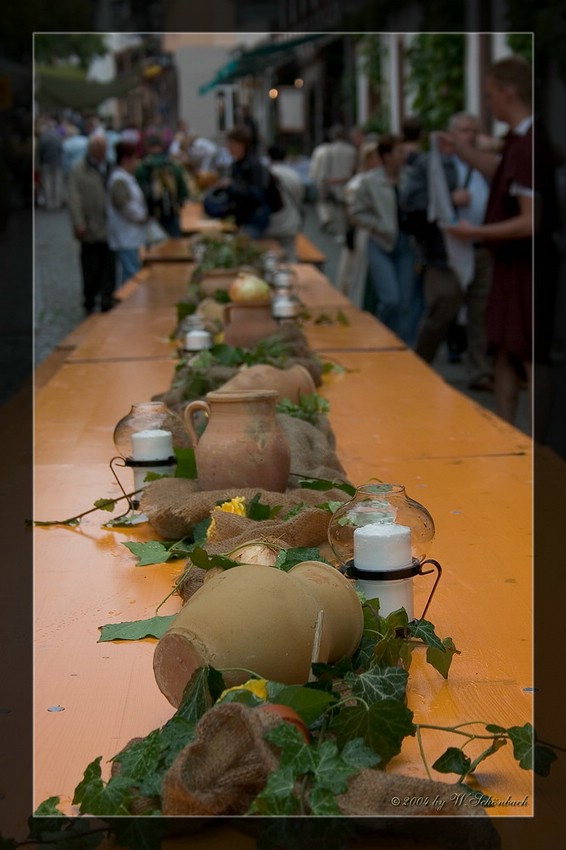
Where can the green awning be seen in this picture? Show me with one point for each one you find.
(255, 61)
(56, 92)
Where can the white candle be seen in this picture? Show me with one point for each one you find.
(392, 595)
(284, 308)
(153, 444)
(379, 547)
(382, 546)
(197, 340)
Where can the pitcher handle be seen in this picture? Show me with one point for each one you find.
(188, 413)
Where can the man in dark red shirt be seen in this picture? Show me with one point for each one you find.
(508, 229)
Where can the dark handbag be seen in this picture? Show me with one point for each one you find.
(219, 202)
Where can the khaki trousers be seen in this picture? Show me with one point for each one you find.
(444, 298)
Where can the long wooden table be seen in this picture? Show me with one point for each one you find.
(394, 419)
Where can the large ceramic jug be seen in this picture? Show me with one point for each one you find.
(242, 445)
(262, 619)
(248, 322)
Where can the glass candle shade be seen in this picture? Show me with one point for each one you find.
(382, 505)
(148, 416)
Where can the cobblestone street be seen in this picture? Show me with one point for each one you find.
(58, 300)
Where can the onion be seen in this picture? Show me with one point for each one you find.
(256, 552)
(248, 287)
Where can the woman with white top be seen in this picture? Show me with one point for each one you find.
(127, 212)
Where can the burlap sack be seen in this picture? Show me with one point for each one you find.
(229, 761)
(224, 767)
(375, 792)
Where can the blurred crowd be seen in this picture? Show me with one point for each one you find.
(436, 230)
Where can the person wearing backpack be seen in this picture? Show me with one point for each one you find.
(253, 189)
(163, 185)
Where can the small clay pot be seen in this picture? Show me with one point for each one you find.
(243, 444)
(248, 322)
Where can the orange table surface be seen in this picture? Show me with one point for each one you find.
(472, 472)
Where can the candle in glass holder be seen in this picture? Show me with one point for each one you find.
(151, 445)
(382, 548)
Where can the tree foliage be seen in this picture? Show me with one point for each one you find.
(51, 48)
(436, 77)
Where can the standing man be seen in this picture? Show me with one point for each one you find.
(508, 229)
(50, 155)
(444, 292)
(87, 208)
(338, 165)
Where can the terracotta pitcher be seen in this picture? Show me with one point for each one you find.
(248, 322)
(242, 445)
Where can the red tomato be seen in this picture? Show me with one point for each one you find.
(289, 715)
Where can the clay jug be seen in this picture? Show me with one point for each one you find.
(262, 619)
(290, 383)
(242, 445)
(248, 322)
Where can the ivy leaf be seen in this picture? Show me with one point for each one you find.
(105, 504)
(95, 797)
(531, 756)
(365, 653)
(186, 463)
(383, 726)
(329, 506)
(441, 661)
(295, 511)
(200, 558)
(126, 521)
(322, 801)
(288, 558)
(356, 754)
(152, 552)
(424, 630)
(277, 797)
(200, 529)
(155, 476)
(323, 319)
(322, 484)
(196, 696)
(493, 727)
(342, 318)
(307, 702)
(377, 684)
(453, 760)
(295, 753)
(136, 629)
(331, 771)
(326, 673)
(258, 511)
(48, 808)
(141, 758)
(216, 683)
